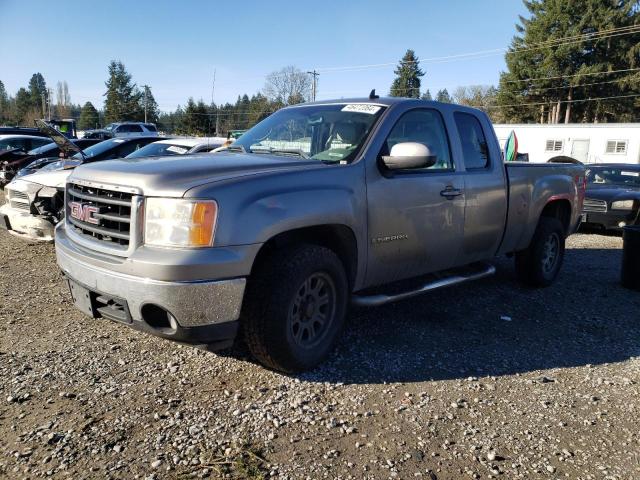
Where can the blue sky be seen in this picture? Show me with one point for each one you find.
(175, 46)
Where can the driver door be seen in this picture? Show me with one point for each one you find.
(415, 216)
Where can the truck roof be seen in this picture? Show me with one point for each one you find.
(388, 102)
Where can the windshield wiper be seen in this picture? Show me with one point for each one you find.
(235, 148)
(283, 151)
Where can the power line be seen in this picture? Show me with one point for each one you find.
(621, 31)
(560, 101)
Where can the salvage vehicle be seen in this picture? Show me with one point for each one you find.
(178, 146)
(14, 161)
(613, 196)
(35, 204)
(320, 205)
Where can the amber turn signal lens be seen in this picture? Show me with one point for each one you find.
(203, 224)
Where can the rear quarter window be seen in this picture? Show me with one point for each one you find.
(475, 149)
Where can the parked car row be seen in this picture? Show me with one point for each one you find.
(37, 179)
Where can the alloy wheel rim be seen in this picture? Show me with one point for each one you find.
(312, 310)
(550, 255)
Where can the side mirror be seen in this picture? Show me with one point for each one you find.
(407, 155)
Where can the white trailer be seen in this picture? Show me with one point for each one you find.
(587, 142)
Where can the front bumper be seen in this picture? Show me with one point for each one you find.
(25, 225)
(202, 312)
(611, 219)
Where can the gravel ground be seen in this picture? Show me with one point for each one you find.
(485, 380)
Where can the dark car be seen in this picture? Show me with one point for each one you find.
(106, 150)
(612, 199)
(13, 161)
(99, 134)
(34, 132)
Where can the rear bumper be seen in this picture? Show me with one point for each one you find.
(25, 225)
(611, 219)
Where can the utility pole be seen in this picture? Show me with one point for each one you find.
(314, 85)
(146, 87)
(50, 94)
(44, 104)
(213, 91)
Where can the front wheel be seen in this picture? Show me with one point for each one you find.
(539, 265)
(295, 306)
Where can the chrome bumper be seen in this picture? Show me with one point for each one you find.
(192, 304)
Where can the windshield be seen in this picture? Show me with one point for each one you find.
(110, 127)
(43, 149)
(159, 149)
(98, 148)
(332, 133)
(627, 177)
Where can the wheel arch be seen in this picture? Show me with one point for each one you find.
(339, 238)
(560, 208)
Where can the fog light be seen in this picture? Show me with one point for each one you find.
(622, 224)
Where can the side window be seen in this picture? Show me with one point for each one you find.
(128, 148)
(135, 128)
(422, 126)
(475, 149)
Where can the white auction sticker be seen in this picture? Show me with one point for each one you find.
(177, 149)
(362, 108)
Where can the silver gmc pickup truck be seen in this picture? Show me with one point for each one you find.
(319, 206)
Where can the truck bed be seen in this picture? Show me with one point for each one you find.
(531, 186)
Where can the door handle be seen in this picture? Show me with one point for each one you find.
(451, 192)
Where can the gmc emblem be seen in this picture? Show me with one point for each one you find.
(83, 212)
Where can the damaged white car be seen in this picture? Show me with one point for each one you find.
(34, 206)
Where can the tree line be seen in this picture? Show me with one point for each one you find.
(568, 62)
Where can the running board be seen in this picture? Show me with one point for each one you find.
(454, 279)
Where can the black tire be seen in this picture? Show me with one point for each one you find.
(286, 300)
(539, 265)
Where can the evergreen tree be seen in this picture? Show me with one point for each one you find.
(22, 106)
(443, 96)
(88, 117)
(37, 90)
(427, 95)
(408, 73)
(558, 76)
(123, 99)
(152, 106)
(4, 104)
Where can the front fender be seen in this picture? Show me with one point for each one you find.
(256, 208)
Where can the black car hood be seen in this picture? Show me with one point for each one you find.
(611, 193)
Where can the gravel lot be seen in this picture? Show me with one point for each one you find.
(484, 380)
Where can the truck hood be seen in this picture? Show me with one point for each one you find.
(611, 193)
(56, 178)
(173, 176)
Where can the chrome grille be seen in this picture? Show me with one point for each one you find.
(592, 205)
(111, 213)
(18, 200)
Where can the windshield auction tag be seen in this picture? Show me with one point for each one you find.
(362, 108)
(177, 149)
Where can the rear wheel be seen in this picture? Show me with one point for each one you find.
(539, 265)
(295, 307)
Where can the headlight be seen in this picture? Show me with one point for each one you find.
(174, 222)
(48, 192)
(622, 205)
